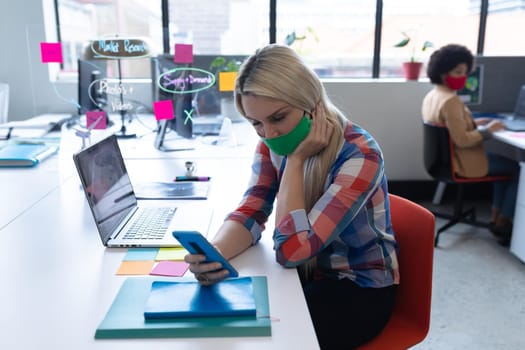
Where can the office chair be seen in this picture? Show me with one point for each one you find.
(4, 102)
(438, 156)
(414, 231)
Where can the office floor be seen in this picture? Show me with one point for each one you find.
(478, 298)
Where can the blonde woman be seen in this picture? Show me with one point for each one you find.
(332, 213)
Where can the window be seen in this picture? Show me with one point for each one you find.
(219, 27)
(506, 19)
(82, 21)
(440, 22)
(336, 37)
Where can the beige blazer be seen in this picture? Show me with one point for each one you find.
(442, 106)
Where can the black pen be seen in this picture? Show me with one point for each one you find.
(192, 178)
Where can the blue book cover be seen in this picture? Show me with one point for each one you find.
(25, 155)
(125, 317)
(230, 297)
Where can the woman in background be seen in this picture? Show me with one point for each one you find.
(447, 69)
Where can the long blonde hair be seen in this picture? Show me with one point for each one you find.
(278, 72)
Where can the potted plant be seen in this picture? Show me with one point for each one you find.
(412, 68)
(218, 65)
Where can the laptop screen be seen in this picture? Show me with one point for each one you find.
(519, 110)
(106, 184)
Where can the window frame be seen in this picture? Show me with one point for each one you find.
(376, 54)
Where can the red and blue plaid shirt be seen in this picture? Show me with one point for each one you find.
(348, 229)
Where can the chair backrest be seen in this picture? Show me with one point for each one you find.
(436, 152)
(4, 102)
(414, 231)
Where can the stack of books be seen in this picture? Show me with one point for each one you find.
(150, 307)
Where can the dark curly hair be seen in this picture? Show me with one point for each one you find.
(445, 59)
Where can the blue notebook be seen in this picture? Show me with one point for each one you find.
(25, 155)
(125, 317)
(230, 297)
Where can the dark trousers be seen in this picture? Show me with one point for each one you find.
(346, 315)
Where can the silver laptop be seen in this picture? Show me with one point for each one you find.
(516, 121)
(120, 221)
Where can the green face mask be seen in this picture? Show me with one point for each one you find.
(285, 144)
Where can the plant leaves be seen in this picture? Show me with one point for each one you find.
(426, 45)
(290, 38)
(403, 43)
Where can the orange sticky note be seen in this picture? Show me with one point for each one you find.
(227, 81)
(141, 267)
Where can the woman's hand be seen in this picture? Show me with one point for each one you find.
(495, 125)
(206, 273)
(318, 138)
(482, 120)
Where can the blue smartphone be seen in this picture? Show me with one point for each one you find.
(196, 243)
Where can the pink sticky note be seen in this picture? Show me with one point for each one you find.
(51, 52)
(170, 268)
(183, 53)
(163, 110)
(92, 117)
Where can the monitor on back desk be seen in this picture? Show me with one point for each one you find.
(516, 121)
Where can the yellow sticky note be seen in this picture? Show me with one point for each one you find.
(177, 253)
(227, 81)
(140, 267)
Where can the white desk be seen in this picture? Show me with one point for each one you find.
(59, 280)
(517, 141)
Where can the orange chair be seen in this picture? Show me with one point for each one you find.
(414, 231)
(438, 158)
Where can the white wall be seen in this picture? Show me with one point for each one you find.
(389, 110)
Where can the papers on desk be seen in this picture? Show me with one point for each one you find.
(125, 317)
(172, 190)
(35, 127)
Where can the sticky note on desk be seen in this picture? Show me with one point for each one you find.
(170, 268)
(135, 267)
(51, 52)
(137, 254)
(176, 253)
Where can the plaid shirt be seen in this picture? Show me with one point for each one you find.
(348, 229)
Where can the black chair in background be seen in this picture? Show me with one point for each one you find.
(438, 154)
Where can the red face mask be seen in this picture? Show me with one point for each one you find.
(456, 83)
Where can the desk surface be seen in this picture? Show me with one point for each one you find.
(59, 280)
(513, 138)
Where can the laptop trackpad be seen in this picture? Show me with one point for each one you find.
(191, 217)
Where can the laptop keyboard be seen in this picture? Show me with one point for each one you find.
(151, 223)
(514, 124)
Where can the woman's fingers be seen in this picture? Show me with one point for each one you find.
(205, 273)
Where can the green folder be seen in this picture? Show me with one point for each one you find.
(125, 317)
